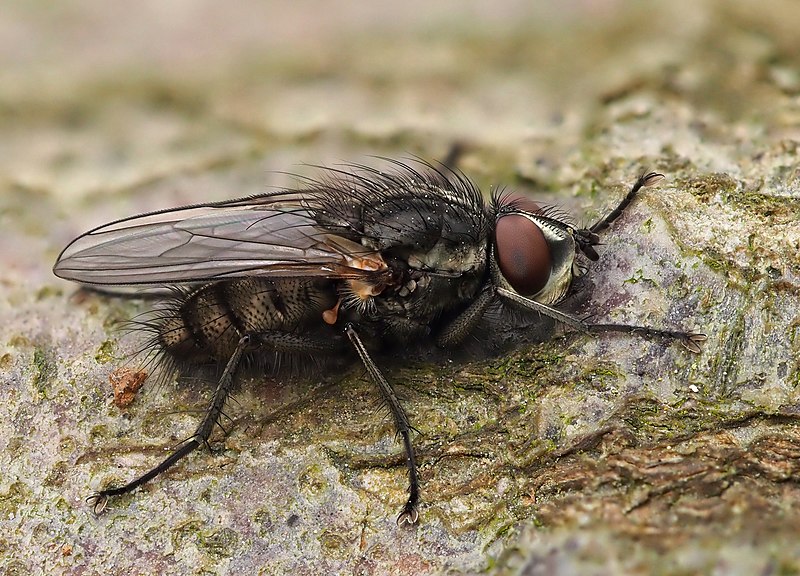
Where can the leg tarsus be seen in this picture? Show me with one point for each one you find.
(645, 180)
(689, 340)
(410, 514)
(692, 341)
(99, 499)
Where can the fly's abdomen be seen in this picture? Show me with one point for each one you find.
(205, 325)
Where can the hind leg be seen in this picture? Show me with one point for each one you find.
(282, 342)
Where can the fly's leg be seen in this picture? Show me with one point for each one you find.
(463, 324)
(200, 437)
(409, 514)
(689, 340)
(288, 343)
(587, 238)
(643, 181)
(469, 318)
(453, 156)
(282, 342)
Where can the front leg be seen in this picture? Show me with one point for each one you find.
(689, 340)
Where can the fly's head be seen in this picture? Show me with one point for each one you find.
(533, 251)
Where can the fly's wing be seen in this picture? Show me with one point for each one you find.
(270, 235)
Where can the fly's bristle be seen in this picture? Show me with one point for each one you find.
(365, 306)
(168, 348)
(175, 336)
(152, 355)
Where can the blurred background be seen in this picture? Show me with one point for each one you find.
(100, 99)
(108, 108)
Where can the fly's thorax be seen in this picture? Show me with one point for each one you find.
(206, 324)
(420, 297)
(451, 258)
(427, 274)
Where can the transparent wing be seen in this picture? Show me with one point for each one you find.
(270, 235)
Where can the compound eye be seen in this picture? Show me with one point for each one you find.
(523, 254)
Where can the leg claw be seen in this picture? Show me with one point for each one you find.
(409, 515)
(98, 502)
(692, 342)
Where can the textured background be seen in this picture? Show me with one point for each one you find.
(581, 454)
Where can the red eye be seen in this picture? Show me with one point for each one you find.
(522, 254)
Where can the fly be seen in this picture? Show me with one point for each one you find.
(359, 261)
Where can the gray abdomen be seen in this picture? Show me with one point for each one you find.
(206, 324)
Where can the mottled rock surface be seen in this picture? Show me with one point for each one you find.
(588, 454)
